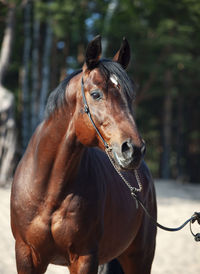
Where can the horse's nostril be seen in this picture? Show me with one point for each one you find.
(127, 149)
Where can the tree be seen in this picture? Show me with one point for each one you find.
(7, 124)
(160, 34)
(165, 68)
(25, 75)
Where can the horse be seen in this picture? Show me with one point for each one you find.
(69, 206)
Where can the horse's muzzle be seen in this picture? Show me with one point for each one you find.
(128, 156)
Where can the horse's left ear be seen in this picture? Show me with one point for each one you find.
(124, 54)
(93, 52)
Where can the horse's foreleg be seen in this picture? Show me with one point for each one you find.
(86, 264)
(25, 261)
(136, 263)
(23, 258)
(111, 267)
(138, 258)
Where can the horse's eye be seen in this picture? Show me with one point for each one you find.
(96, 95)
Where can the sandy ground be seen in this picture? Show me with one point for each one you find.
(176, 253)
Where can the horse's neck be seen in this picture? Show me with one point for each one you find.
(58, 157)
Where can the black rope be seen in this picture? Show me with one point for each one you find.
(191, 220)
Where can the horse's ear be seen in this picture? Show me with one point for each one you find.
(124, 54)
(93, 52)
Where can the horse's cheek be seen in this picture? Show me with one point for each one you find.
(85, 131)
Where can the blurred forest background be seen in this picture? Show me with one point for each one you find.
(42, 41)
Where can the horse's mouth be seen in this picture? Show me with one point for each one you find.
(127, 164)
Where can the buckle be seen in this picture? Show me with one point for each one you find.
(86, 109)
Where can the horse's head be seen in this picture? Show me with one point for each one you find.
(109, 93)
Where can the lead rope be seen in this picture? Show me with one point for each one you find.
(134, 190)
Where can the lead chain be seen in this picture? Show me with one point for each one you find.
(132, 189)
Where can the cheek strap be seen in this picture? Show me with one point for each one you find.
(87, 111)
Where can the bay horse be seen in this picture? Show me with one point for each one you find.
(69, 206)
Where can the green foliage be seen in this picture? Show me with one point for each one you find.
(164, 35)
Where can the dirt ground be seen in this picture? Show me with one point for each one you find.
(176, 253)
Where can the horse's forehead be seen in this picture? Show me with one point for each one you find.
(95, 78)
(98, 78)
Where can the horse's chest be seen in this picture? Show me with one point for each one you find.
(75, 221)
(121, 223)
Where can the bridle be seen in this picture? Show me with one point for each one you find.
(87, 111)
(134, 190)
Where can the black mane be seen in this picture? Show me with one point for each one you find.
(57, 96)
(107, 67)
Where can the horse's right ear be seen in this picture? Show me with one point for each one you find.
(93, 52)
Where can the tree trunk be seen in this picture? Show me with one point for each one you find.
(25, 76)
(7, 137)
(7, 123)
(45, 71)
(109, 14)
(55, 65)
(7, 43)
(35, 74)
(167, 120)
(180, 147)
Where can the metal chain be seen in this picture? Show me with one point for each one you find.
(132, 189)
